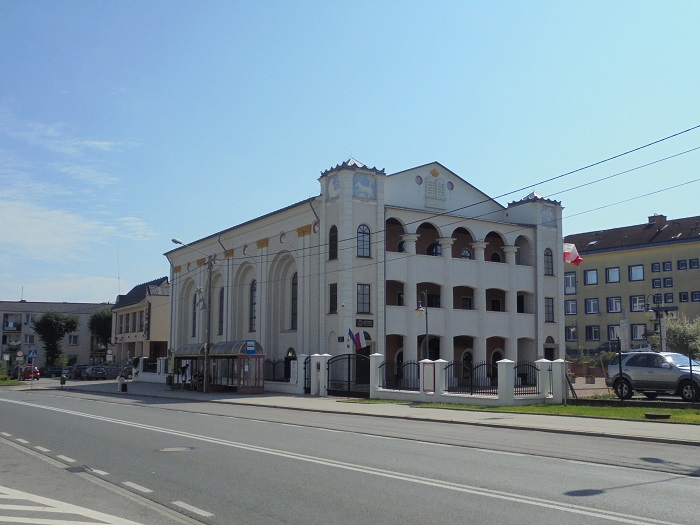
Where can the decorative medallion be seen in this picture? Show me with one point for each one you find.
(450, 185)
(434, 172)
(419, 180)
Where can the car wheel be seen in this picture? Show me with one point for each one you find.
(686, 391)
(623, 389)
(651, 395)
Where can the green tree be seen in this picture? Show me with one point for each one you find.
(683, 335)
(51, 328)
(100, 325)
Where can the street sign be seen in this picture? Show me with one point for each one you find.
(32, 353)
(20, 353)
(250, 346)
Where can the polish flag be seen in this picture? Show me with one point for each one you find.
(571, 254)
(361, 341)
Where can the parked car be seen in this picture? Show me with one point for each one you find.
(77, 371)
(95, 372)
(57, 371)
(642, 347)
(610, 346)
(654, 373)
(23, 372)
(113, 372)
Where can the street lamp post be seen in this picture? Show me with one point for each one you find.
(210, 266)
(423, 310)
(654, 315)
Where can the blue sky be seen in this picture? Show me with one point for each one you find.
(124, 124)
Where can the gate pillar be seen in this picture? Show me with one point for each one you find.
(319, 374)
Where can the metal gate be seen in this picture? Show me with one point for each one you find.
(307, 375)
(348, 375)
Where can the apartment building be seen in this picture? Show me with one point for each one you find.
(627, 273)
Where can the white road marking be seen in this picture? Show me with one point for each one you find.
(137, 487)
(42, 449)
(99, 472)
(66, 459)
(389, 474)
(5, 434)
(23, 441)
(185, 506)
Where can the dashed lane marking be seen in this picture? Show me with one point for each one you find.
(42, 449)
(66, 459)
(137, 487)
(195, 510)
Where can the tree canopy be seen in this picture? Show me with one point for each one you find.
(51, 328)
(100, 325)
(683, 335)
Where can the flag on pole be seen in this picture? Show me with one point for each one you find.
(361, 341)
(571, 254)
(352, 338)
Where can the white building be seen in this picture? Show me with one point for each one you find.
(361, 256)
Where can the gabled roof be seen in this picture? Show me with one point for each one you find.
(140, 292)
(658, 230)
(350, 164)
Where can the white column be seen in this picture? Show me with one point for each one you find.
(506, 382)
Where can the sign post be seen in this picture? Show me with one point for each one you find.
(32, 354)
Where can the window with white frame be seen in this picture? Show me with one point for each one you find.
(695, 297)
(683, 297)
(656, 283)
(668, 266)
(614, 304)
(593, 332)
(592, 306)
(28, 339)
(639, 332)
(613, 332)
(570, 283)
(612, 275)
(363, 299)
(636, 272)
(570, 307)
(637, 303)
(694, 264)
(570, 332)
(655, 267)
(668, 282)
(548, 262)
(668, 298)
(590, 277)
(682, 264)
(72, 339)
(363, 241)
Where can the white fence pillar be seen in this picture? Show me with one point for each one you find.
(559, 385)
(440, 365)
(375, 361)
(506, 382)
(544, 378)
(319, 374)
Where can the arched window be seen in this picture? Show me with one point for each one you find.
(252, 305)
(221, 311)
(295, 288)
(333, 243)
(435, 249)
(466, 253)
(495, 257)
(194, 315)
(548, 262)
(363, 241)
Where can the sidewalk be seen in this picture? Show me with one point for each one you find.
(655, 431)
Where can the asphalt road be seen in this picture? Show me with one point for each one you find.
(245, 464)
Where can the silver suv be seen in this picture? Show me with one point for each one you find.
(654, 373)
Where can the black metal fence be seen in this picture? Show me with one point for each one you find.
(275, 370)
(402, 376)
(307, 375)
(477, 379)
(525, 378)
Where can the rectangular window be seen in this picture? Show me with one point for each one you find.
(639, 332)
(433, 300)
(655, 267)
(495, 305)
(656, 283)
(694, 264)
(637, 303)
(363, 299)
(590, 277)
(668, 266)
(613, 332)
(668, 298)
(682, 264)
(683, 297)
(656, 298)
(636, 272)
(570, 332)
(73, 340)
(695, 296)
(466, 303)
(126, 323)
(614, 304)
(549, 309)
(141, 318)
(28, 339)
(133, 321)
(612, 275)
(668, 282)
(570, 307)
(593, 333)
(592, 306)
(570, 283)
(333, 298)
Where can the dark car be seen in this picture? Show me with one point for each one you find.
(95, 372)
(77, 372)
(57, 371)
(112, 372)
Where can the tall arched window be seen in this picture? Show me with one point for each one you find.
(295, 288)
(548, 262)
(363, 241)
(333, 243)
(221, 311)
(252, 303)
(194, 315)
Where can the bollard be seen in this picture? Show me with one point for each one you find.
(63, 380)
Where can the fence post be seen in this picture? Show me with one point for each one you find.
(440, 365)
(319, 374)
(506, 382)
(559, 386)
(375, 361)
(544, 385)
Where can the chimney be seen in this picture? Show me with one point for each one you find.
(657, 219)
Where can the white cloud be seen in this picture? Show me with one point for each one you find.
(135, 229)
(89, 175)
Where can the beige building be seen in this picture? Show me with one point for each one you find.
(625, 273)
(141, 324)
(360, 257)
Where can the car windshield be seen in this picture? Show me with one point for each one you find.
(682, 360)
